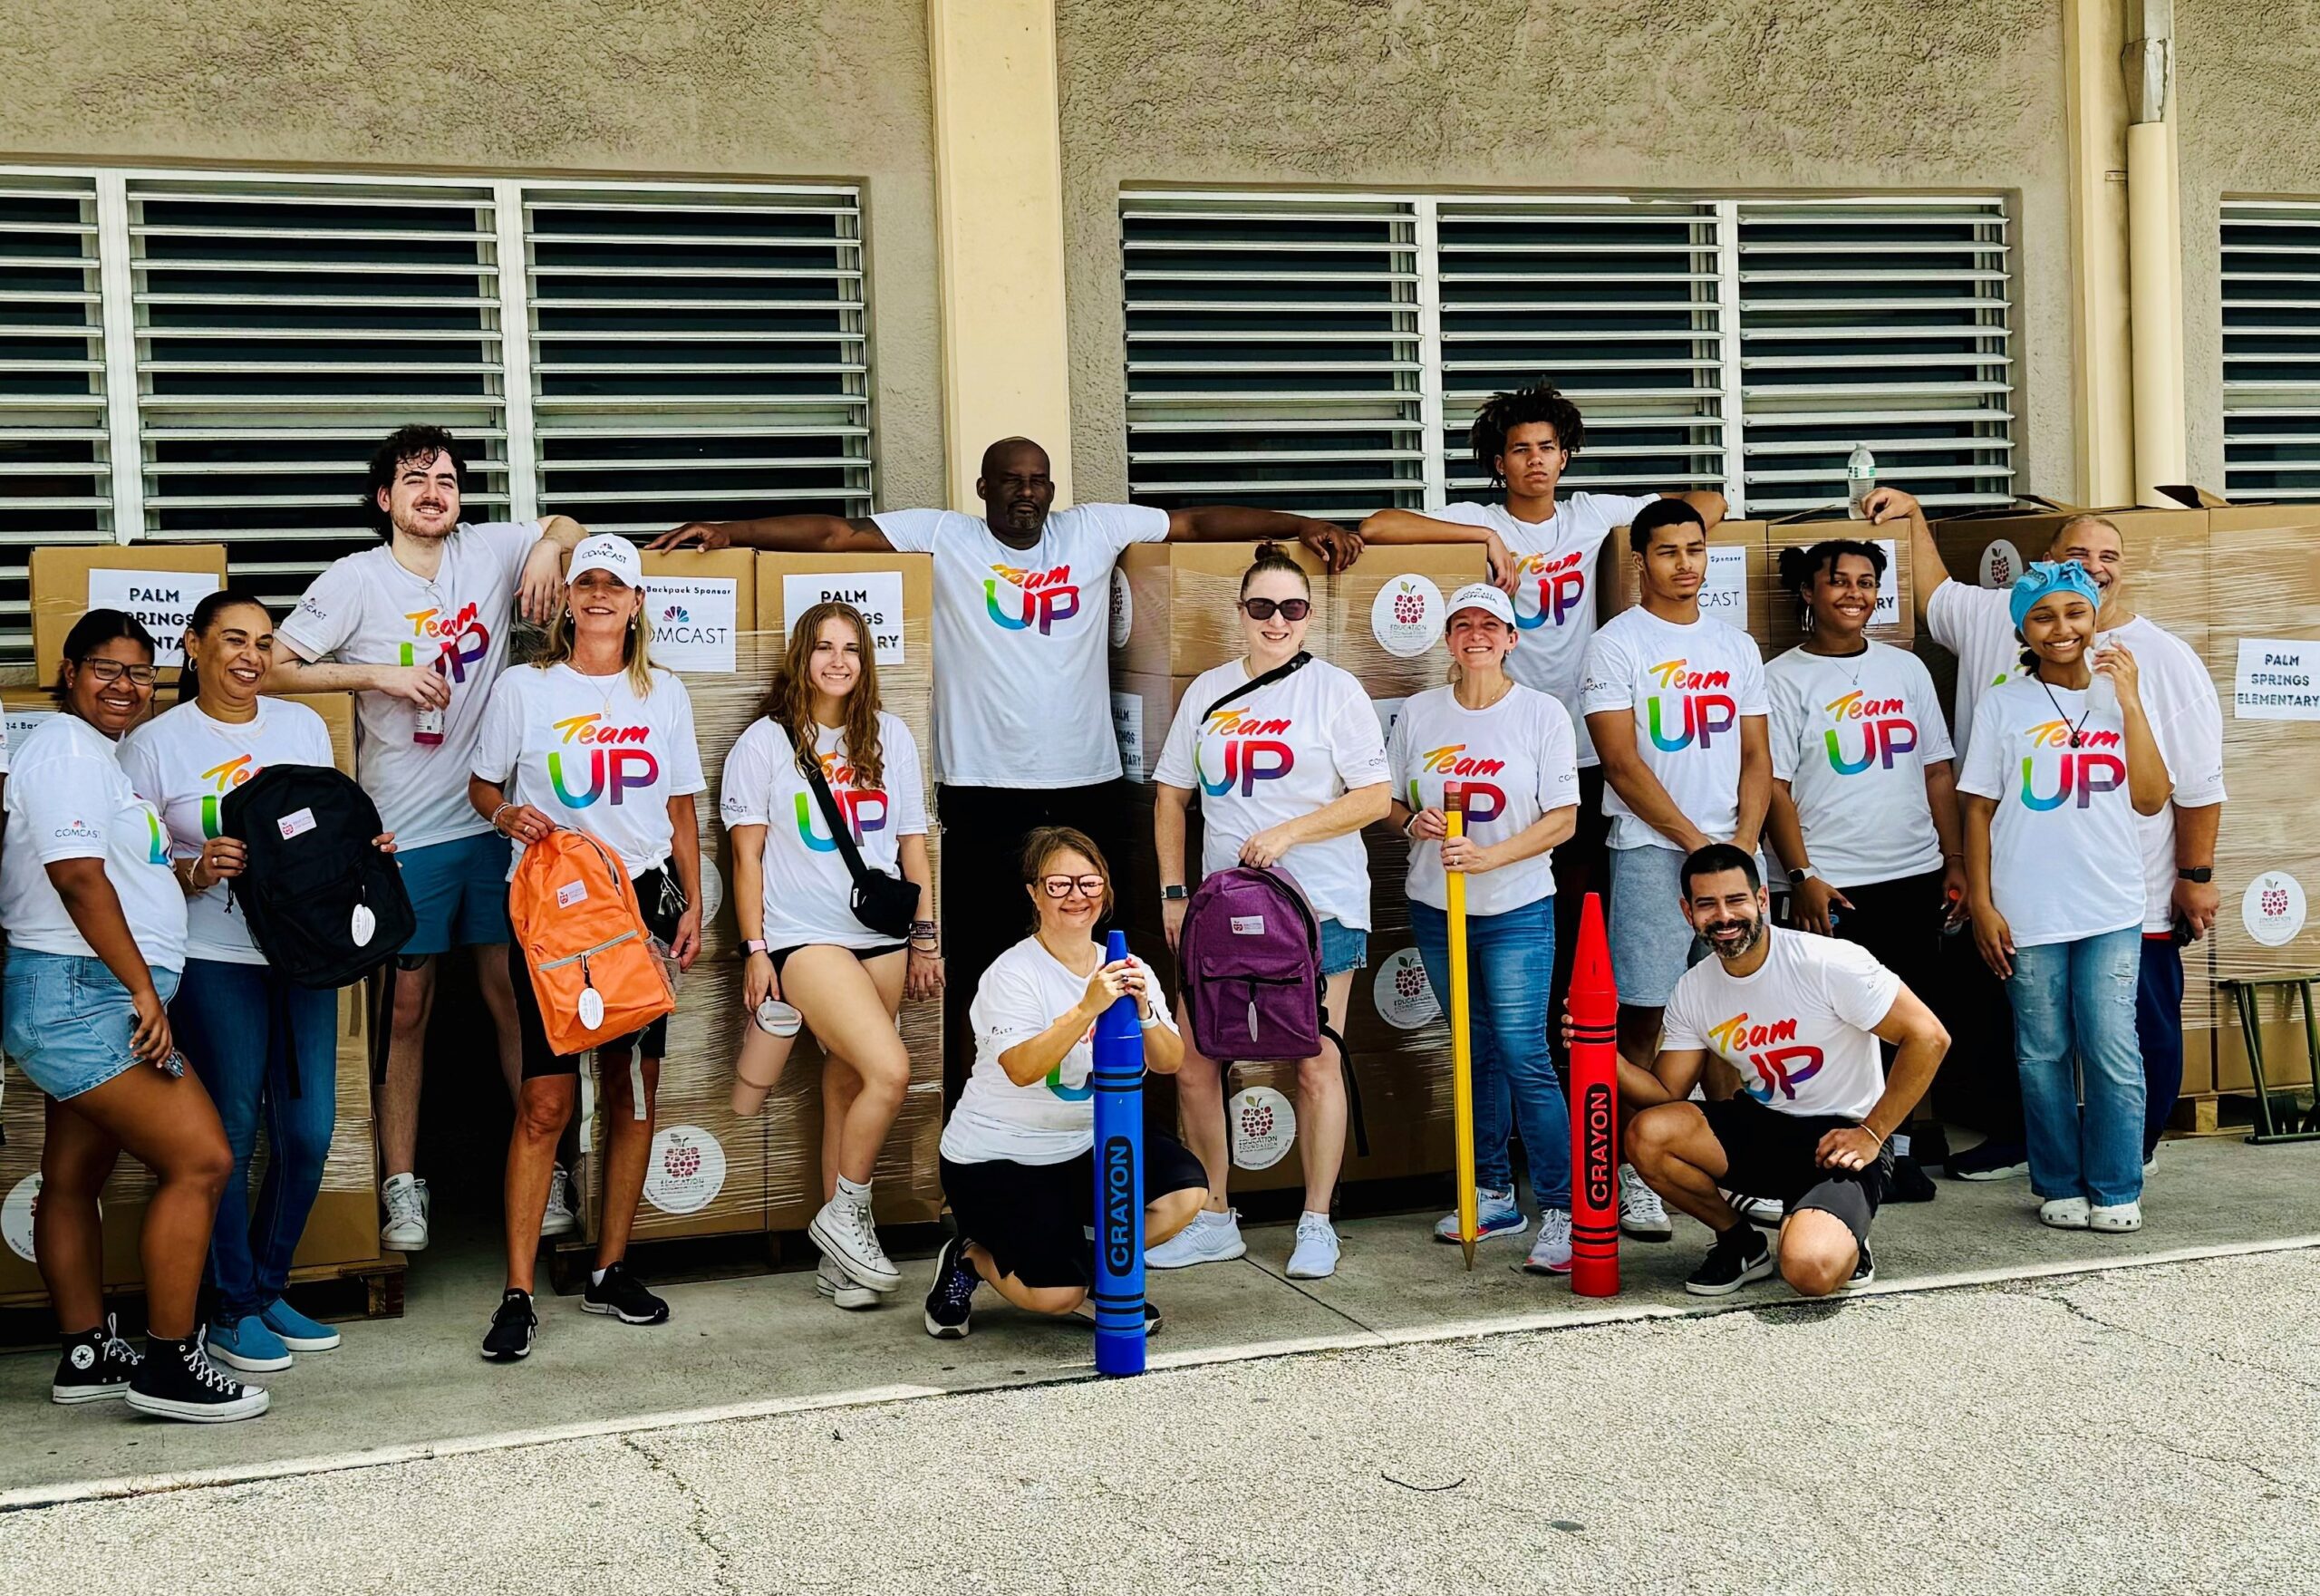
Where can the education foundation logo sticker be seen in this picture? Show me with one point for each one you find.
(1264, 1127)
(1123, 608)
(684, 1171)
(1404, 996)
(2273, 910)
(16, 1212)
(2001, 564)
(1405, 617)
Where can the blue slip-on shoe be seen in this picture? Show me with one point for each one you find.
(246, 1344)
(298, 1332)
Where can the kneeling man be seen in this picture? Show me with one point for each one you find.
(1799, 1016)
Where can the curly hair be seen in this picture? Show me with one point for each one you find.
(416, 441)
(1501, 413)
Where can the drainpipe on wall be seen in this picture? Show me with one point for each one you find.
(2154, 249)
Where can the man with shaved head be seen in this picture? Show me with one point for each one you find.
(1022, 705)
(2178, 842)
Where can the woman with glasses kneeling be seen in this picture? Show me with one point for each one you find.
(1018, 1155)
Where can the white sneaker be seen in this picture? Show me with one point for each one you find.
(1767, 1212)
(843, 1231)
(2064, 1213)
(1550, 1253)
(1315, 1255)
(559, 1220)
(2115, 1218)
(833, 1283)
(1640, 1214)
(1496, 1214)
(405, 1230)
(2151, 1163)
(1210, 1238)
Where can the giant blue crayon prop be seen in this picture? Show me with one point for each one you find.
(1118, 1076)
(1594, 1005)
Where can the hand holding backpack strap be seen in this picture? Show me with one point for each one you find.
(1285, 669)
(880, 901)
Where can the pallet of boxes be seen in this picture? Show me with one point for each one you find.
(719, 621)
(340, 1243)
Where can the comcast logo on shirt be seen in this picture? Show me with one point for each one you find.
(224, 777)
(1485, 801)
(1046, 597)
(80, 831)
(1254, 751)
(614, 764)
(1560, 585)
(864, 808)
(1698, 706)
(462, 639)
(1779, 1060)
(1886, 731)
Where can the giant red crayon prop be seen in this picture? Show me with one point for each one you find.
(1594, 1111)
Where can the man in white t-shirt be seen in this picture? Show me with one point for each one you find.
(2178, 842)
(1799, 1018)
(416, 630)
(1022, 699)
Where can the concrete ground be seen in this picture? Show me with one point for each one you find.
(416, 1385)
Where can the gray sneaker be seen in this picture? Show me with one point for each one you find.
(836, 1286)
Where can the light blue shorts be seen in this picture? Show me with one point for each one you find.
(70, 1019)
(1343, 948)
(458, 892)
(1652, 944)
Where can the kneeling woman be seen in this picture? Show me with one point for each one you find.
(1018, 1155)
(597, 737)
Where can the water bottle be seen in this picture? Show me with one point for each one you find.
(1861, 477)
(2102, 696)
(428, 729)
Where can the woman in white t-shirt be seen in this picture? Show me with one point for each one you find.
(265, 1047)
(1289, 773)
(2061, 762)
(96, 939)
(793, 894)
(596, 737)
(1510, 755)
(1019, 1152)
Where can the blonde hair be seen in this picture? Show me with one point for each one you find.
(636, 648)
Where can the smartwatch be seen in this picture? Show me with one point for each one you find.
(1799, 878)
(1174, 895)
(2198, 874)
(753, 946)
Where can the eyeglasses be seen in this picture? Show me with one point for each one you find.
(1061, 886)
(1287, 609)
(112, 671)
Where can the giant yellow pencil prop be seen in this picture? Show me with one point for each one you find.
(1462, 1051)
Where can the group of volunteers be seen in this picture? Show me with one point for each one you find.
(1769, 1072)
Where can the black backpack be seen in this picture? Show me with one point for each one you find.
(312, 876)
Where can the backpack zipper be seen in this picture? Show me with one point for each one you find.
(584, 954)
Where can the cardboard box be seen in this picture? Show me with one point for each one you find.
(1739, 590)
(1383, 619)
(1896, 620)
(63, 588)
(1175, 605)
(701, 604)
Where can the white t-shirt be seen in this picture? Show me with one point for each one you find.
(588, 753)
(1023, 698)
(185, 763)
(2065, 849)
(69, 799)
(1026, 990)
(1799, 1030)
(1688, 688)
(1290, 748)
(1555, 605)
(368, 609)
(808, 891)
(1514, 762)
(1852, 737)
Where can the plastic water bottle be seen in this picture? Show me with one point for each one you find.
(2101, 696)
(1860, 477)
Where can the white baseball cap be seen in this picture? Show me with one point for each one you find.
(1482, 596)
(604, 552)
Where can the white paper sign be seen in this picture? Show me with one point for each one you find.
(2278, 678)
(878, 595)
(2273, 908)
(1127, 726)
(1264, 1126)
(162, 602)
(694, 619)
(1889, 592)
(1724, 594)
(20, 723)
(1390, 712)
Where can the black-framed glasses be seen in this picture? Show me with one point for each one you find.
(1062, 886)
(112, 671)
(1289, 609)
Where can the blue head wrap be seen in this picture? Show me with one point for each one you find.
(2045, 576)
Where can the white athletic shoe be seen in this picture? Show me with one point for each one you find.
(1767, 1212)
(1550, 1253)
(2115, 1218)
(1315, 1255)
(843, 1231)
(1210, 1238)
(1640, 1214)
(2064, 1213)
(2151, 1163)
(405, 1231)
(834, 1283)
(1496, 1214)
(559, 1220)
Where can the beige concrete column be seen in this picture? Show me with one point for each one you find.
(998, 218)
(2155, 250)
(2101, 368)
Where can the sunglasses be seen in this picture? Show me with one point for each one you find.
(112, 671)
(1061, 886)
(1287, 609)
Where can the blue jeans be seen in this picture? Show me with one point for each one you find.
(225, 1019)
(2079, 997)
(1510, 969)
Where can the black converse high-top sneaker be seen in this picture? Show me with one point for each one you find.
(96, 1366)
(177, 1380)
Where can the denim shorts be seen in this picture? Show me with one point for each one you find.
(459, 893)
(1343, 949)
(69, 1019)
(1652, 944)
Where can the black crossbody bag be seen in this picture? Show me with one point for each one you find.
(882, 902)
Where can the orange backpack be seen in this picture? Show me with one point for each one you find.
(575, 914)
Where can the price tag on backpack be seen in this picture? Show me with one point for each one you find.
(592, 1008)
(362, 924)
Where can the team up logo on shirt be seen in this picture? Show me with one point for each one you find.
(225, 778)
(462, 640)
(615, 762)
(157, 842)
(1254, 751)
(1047, 597)
(1886, 731)
(864, 808)
(1773, 1051)
(1562, 585)
(1707, 708)
(1485, 801)
(2083, 772)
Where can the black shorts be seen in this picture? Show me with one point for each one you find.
(1770, 1153)
(781, 956)
(1033, 1218)
(664, 904)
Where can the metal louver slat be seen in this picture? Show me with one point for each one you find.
(2271, 349)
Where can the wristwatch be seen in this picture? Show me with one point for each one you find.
(752, 946)
(1799, 878)
(1174, 895)
(2200, 874)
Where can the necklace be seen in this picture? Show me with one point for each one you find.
(2077, 733)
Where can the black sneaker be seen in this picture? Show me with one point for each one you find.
(176, 1379)
(96, 1366)
(1991, 1160)
(514, 1328)
(950, 1301)
(623, 1296)
(1152, 1319)
(1910, 1182)
(1739, 1256)
(1864, 1272)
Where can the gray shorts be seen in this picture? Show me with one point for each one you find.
(1651, 942)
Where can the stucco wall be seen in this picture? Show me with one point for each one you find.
(756, 89)
(1564, 96)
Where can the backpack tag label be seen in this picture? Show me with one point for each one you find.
(571, 892)
(295, 822)
(592, 1008)
(363, 924)
(1248, 926)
